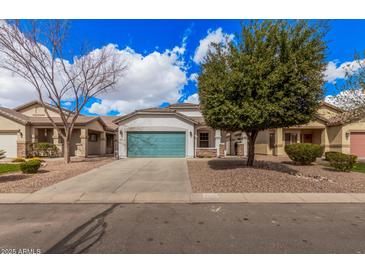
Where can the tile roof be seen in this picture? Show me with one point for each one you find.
(108, 120)
(154, 111)
(346, 117)
(14, 115)
(183, 105)
(199, 120)
(35, 102)
(58, 120)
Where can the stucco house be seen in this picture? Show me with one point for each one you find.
(178, 130)
(175, 131)
(27, 124)
(327, 129)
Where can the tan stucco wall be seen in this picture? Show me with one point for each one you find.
(95, 126)
(334, 138)
(38, 110)
(262, 143)
(353, 127)
(311, 124)
(94, 147)
(7, 124)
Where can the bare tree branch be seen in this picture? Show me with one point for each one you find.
(35, 52)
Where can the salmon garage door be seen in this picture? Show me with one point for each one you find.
(156, 144)
(357, 143)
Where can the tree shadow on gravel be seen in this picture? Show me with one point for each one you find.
(223, 164)
(291, 163)
(12, 177)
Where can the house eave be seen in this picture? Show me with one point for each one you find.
(136, 113)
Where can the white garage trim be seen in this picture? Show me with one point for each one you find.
(156, 123)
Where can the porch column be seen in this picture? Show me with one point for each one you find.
(84, 134)
(217, 140)
(279, 146)
(34, 133)
(244, 142)
(122, 141)
(324, 141)
(102, 143)
(56, 141)
(195, 141)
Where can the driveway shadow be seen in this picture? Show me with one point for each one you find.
(224, 164)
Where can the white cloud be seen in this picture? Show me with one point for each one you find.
(194, 99)
(194, 77)
(67, 103)
(217, 36)
(334, 72)
(14, 90)
(148, 81)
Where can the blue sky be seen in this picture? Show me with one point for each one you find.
(164, 58)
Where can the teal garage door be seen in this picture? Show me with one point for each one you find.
(156, 144)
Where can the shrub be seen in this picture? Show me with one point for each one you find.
(18, 160)
(37, 159)
(304, 153)
(44, 150)
(343, 162)
(30, 166)
(329, 154)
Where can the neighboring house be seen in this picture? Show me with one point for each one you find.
(27, 124)
(175, 131)
(327, 129)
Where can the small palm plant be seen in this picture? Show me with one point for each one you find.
(2, 154)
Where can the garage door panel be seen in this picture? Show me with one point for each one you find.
(156, 144)
(9, 144)
(357, 143)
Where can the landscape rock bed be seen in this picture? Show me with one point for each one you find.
(52, 172)
(270, 174)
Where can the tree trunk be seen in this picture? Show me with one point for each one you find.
(251, 138)
(66, 150)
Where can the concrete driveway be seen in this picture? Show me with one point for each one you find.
(130, 175)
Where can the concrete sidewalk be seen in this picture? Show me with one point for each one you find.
(177, 197)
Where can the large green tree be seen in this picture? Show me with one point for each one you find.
(270, 76)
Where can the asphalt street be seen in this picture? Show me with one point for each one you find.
(183, 228)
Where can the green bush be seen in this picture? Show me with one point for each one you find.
(329, 154)
(2, 154)
(30, 166)
(343, 162)
(304, 153)
(18, 160)
(37, 159)
(43, 150)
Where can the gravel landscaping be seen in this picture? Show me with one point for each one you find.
(54, 171)
(270, 174)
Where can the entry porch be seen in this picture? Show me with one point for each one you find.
(84, 142)
(280, 137)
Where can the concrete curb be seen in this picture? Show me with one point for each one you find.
(178, 197)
